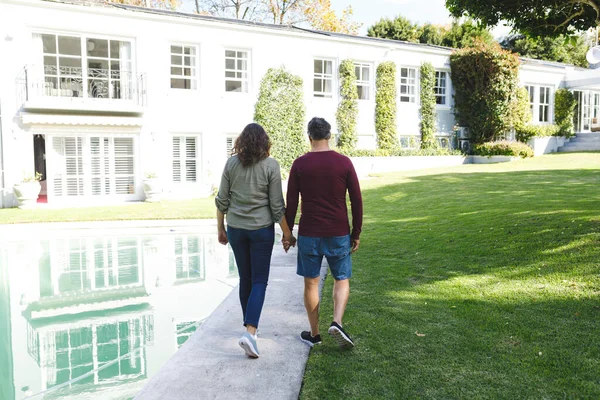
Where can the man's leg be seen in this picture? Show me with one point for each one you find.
(341, 292)
(311, 302)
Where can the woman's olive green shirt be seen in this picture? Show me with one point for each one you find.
(251, 197)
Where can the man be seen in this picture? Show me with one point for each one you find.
(322, 177)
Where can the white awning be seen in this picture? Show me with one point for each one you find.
(79, 120)
(580, 79)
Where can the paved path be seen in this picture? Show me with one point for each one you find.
(211, 365)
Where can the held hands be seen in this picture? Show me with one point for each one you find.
(288, 241)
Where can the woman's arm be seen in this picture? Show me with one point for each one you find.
(288, 238)
(221, 228)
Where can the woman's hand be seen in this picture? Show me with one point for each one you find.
(288, 241)
(222, 236)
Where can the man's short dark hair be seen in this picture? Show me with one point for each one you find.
(319, 129)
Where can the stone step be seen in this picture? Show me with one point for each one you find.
(585, 140)
(566, 148)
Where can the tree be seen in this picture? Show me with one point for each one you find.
(427, 109)
(348, 108)
(559, 48)
(322, 17)
(161, 4)
(485, 80)
(280, 110)
(398, 29)
(253, 10)
(457, 35)
(535, 18)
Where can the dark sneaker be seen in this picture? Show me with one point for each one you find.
(309, 339)
(248, 343)
(340, 336)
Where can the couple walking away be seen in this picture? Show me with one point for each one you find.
(251, 198)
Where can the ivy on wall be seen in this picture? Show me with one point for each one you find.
(564, 112)
(485, 80)
(347, 111)
(427, 110)
(385, 106)
(280, 110)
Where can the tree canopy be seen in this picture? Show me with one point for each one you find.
(457, 35)
(535, 18)
(558, 48)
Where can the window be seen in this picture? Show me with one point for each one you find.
(544, 105)
(76, 66)
(189, 258)
(323, 78)
(185, 159)
(236, 71)
(363, 80)
(92, 166)
(441, 79)
(229, 143)
(531, 91)
(408, 85)
(183, 67)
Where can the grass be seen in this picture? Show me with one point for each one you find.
(474, 282)
(188, 209)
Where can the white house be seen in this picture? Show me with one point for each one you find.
(96, 96)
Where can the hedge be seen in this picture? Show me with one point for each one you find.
(503, 148)
(427, 110)
(398, 152)
(524, 133)
(385, 106)
(347, 111)
(280, 110)
(564, 112)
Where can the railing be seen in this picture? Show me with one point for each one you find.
(72, 82)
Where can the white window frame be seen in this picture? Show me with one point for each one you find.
(245, 75)
(405, 82)
(536, 104)
(183, 158)
(360, 82)
(442, 92)
(194, 57)
(323, 77)
(229, 144)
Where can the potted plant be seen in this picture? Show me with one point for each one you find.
(152, 187)
(27, 190)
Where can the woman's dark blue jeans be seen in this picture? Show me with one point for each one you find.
(252, 251)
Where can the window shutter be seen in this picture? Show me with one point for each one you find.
(176, 159)
(124, 166)
(190, 159)
(229, 145)
(74, 166)
(57, 165)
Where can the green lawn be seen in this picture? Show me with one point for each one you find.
(474, 282)
(189, 209)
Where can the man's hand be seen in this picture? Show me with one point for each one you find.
(288, 241)
(355, 244)
(222, 236)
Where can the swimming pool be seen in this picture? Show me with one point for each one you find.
(94, 313)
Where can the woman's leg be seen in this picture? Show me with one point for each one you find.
(240, 243)
(261, 248)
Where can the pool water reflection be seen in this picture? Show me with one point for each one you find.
(93, 317)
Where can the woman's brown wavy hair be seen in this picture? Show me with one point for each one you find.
(253, 145)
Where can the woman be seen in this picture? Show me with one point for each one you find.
(250, 195)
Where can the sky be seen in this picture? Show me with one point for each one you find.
(369, 12)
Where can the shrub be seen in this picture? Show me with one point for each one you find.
(385, 105)
(280, 110)
(348, 108)
(564, 112)
(524, 133)
(521, 110)
(485, 80)
(398, 152)
(427, 109)
(503, 148)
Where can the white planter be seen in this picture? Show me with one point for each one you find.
(545, 145)
(152, 190)
(27, 193)
(492, 159)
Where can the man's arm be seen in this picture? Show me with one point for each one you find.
(356, 205)
(293, 193)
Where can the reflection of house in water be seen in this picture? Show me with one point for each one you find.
(97, 316)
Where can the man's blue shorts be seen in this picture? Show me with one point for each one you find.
(336, 249)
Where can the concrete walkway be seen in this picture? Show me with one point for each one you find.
(211, 365)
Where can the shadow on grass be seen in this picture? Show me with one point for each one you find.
(472, 286)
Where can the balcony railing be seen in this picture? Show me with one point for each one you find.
(72, 87)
